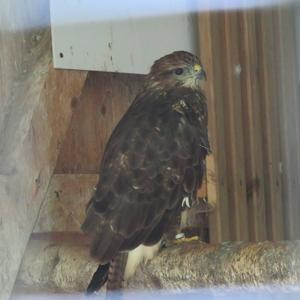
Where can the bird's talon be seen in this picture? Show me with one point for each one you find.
(180, 238)
(186, 202)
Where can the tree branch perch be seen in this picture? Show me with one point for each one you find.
(196, 264)
(66, 267)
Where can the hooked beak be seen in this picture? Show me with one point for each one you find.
(201, 75)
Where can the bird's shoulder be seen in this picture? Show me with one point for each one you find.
(155, 118)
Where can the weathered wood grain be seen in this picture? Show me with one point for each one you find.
(234, 149)
(64, 207)
(210, 54)
(35, 112)
(50, 266)
(270, 121)
(252, 126)
(253, 122)
(289, 109)
(104, 100)
(53, 267)
(196, 264)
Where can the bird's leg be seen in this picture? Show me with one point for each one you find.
(201, 204)
(193, 224)
(180, 238)
(116, 272)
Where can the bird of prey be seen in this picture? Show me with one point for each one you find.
(153, 163)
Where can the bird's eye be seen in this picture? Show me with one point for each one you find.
(178, 71)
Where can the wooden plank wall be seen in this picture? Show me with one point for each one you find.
(250, 61)
(289, 107)
(270, 124)
(254, 130)
(252, 123)
(104, 100)
(211, 56)
(35, 113)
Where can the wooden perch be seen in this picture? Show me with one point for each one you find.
(57, 266)
(196, 264)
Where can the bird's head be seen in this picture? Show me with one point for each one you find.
(178, 69)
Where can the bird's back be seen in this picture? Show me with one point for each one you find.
(153, 159)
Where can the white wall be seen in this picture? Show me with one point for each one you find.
(109, 36)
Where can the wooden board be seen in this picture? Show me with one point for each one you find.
(289, 113)
(64, 207)
(252, 126)
(104, 100)
(235, 159)
(209, 39)
(35, 112)
(270, 122)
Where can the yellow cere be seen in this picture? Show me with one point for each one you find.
(197, 68)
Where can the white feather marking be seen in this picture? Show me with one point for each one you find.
(136, 187)
(182, 103)
(137, 255)
(186, 202)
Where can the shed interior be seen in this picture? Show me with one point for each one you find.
(54, 125)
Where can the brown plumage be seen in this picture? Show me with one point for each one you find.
(153, 159)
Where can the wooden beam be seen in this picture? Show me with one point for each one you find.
(252, 126)
(68, 238)
(53, 267)
(64, 207)
(104, 100)
(285, 62)
(270, 121)
(35, 105)
(234, 127)
(210, 54)
(225, 264)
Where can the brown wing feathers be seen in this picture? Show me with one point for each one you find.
(153, 159)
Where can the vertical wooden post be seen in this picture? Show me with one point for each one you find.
(289, 113)
(209, 30)
(234, 127)
(270, 118)
(253, 143)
